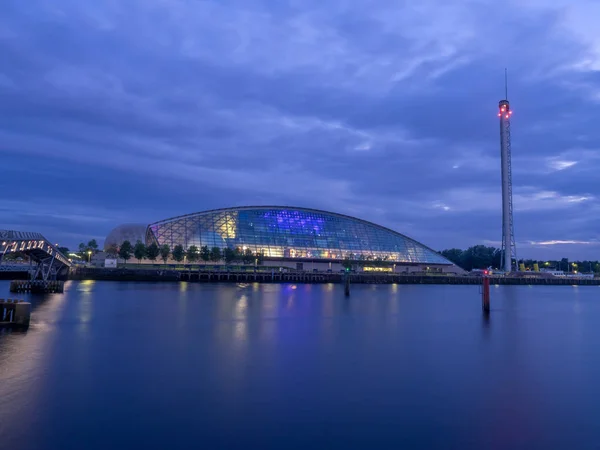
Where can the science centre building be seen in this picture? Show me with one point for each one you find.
(298, 238)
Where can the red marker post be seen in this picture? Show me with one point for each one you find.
(485, 293)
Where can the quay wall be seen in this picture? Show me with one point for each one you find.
(125, 274)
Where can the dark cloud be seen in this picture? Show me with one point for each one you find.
(119, 112)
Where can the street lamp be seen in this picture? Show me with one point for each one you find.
(89, 252)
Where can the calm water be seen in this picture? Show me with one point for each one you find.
(162, 366)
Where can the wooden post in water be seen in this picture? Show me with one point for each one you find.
(485, 294)
(347, 284)
(15, 313)
(22, 314)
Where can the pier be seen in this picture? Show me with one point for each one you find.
(14, 313)
(37, 286)
(264, 275)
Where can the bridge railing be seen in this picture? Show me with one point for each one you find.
(12, 235)
(29, 243)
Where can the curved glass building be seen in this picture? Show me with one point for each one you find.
(285, 232)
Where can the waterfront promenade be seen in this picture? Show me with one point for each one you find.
(267, 276)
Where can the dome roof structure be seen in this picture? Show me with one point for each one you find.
(131, 232)
(291, 232)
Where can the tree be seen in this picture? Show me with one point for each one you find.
(165, 251)
(139, 251)
(112, 250)
(248, 257)
(178, 253)
(205, 253)
(193, 254)
(454, 254)
(480, 257)
(82, 249)
(239, 254)
(63, 250)
(229, 255)
(215, 254)
(346, 264)
(12, 256)
(152, 251)
(259, 257)
(476, 257)
(125, 251)
(93, 245)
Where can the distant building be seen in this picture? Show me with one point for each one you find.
(556, 273)
(131, 232)
(561, 273)
(580, 275)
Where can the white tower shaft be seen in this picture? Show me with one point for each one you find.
(509, 249)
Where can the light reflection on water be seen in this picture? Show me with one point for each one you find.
(122, 365)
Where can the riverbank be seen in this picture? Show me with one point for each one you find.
(124, 274)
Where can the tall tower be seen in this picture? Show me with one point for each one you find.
(509, 249)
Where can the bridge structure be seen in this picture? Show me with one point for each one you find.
(8, 268)
(46, 261)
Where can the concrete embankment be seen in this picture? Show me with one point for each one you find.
(124, 274)
(14, 275)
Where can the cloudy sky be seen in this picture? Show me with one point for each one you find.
(121, 111)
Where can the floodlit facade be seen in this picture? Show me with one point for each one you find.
(294, 234)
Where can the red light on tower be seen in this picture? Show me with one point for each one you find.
(506, 117)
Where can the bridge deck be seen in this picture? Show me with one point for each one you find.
(49, 260)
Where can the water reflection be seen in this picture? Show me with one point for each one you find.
(486, 324)
(86, 286)
(248, 361)
(241, 307)
(346, 305)
(240, 333)
(24, 358)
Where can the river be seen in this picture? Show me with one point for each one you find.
(164, 366)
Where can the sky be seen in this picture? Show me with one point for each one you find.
(133, 111)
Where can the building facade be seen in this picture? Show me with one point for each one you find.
(299, 235)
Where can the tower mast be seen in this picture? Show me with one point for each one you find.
(509, 248)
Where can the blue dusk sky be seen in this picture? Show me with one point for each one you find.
(120, 111)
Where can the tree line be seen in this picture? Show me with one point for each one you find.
(483, 257)
(475, 257)
(152, 252)
(82, 248)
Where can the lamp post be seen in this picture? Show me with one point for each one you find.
(89, 252)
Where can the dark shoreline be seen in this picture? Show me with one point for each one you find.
(158, 275)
